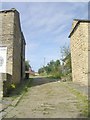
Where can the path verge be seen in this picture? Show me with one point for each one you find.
(14, 97)
(81, 93)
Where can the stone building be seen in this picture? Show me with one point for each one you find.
(12, 40)
(80, 51)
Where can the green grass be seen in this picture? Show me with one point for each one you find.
(20, 88)
(83, 103)
(19, 91)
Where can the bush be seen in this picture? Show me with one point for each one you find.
(57, 75)
(13, 86)
(10, 88)
(66, 77)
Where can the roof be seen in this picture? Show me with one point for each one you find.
(13, 10)
(9, 10)
(30, 72)
(78, 22)
(23, 38)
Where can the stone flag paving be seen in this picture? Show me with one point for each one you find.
(47, 98)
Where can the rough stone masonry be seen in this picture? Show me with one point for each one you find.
(80, 51)
(11, 37)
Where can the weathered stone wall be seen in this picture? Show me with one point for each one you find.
(17, 49)
(79, 53)
(23, 43)
(89, 54)
(7, 37)
(11, 37)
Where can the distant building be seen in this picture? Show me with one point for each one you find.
(12, 47)
(80, 51)
(36, 74)
(29, 73)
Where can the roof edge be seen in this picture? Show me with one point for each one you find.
(23, 38)
(73, 29)
(82, 20)
(79, 20)
(8, 10)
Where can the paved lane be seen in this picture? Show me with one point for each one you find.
(47, 98)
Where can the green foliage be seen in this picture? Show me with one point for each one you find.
(83, 103)
(66, 66)
(65, 51)
(53, 68)
(19, 89)
(13, 86)
(58, 70)
(57, 75)
(27, 65)
(41, 70)
(67, 62)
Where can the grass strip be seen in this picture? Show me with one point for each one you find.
(20, 90)
(83, 103)
(25, 89)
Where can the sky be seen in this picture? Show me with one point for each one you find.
(46, 27)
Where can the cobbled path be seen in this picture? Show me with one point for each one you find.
(47, 98)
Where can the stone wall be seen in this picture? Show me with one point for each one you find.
(7, 37)
(79, 53)
(89, 54)
(23, 43)
(17, 49)
(12, 38)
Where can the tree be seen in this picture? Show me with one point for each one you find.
(41, 70)
(66, 59)
(52, 68)
(65, 51)
(27, 65)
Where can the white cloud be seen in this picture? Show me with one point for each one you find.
(46, 27)
(43, 17)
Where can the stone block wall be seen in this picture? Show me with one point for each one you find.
(79, 53)
(17, 49)
(23, 43)
(89, 54)
(7, 37)
(11, 37)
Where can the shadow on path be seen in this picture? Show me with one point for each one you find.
(43, 80)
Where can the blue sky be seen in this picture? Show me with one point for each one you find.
(46, 27)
